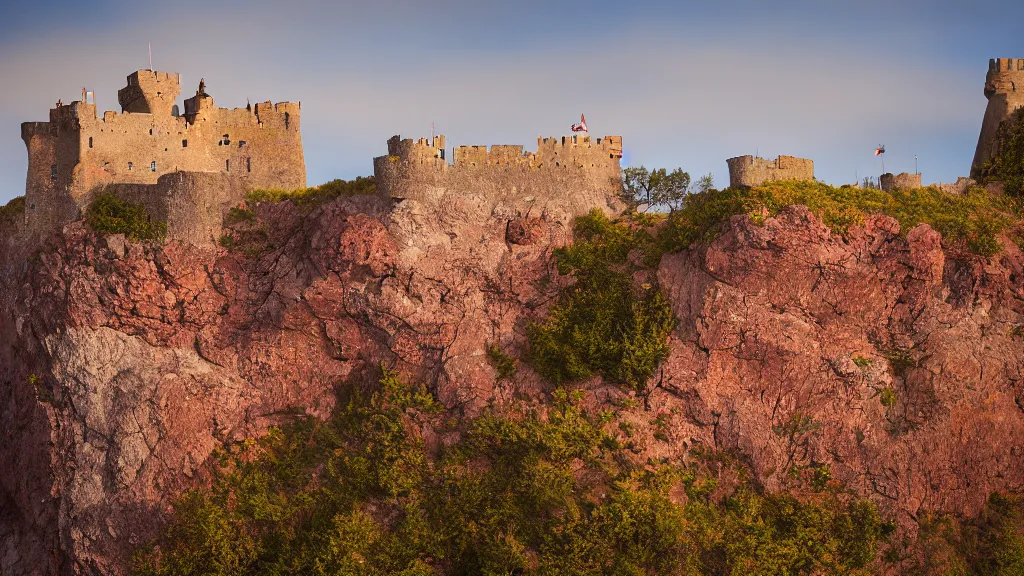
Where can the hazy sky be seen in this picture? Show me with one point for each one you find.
(685, 83)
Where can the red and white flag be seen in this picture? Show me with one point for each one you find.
(582, 126)
(880, 150)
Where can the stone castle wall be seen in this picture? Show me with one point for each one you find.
(77, 153)
(903, 181)
(579, 172)
(1004, 88)
(751, 171)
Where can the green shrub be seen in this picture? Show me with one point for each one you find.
(504, 364)
(972, 220)
(1007, 165)
(602, 324)
(991, 544)
(317, 194)
(12, 210)
(112, 215)
(887, 397)
(552, 494)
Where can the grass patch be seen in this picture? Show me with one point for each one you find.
(111, 215)
(316, 195)
(521, 492)
(602, 324)
(972, 220)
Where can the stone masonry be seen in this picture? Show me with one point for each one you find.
(1004, 88)
(577, 172)
(77, 154)
(902, 181)
(751, 171)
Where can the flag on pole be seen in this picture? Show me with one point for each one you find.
(582, 126)
(880, 150)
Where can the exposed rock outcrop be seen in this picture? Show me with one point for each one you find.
(892, 361)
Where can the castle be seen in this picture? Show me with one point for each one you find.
(185, 168)
(1004, 77)
(577, 171)
(751, 171)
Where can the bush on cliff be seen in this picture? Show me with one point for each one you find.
(972, 220)
(12, 210)
(1008, 165)
(550, 493)
(317, 194)
(112, 215)
(602, 323)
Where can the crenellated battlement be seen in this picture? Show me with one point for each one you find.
(77, 153)
(752, 171)
(419, 169)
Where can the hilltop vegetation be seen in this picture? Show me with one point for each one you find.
(1008, 165)
(112, 215)
(315, 195)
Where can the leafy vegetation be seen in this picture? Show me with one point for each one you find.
(504, 364)
(991, 544)
(1007, 165)
(12, 210)
(316, 195)
(656, 187)
(972, 220)
(521, 491)
(602, 324)
(112, 215)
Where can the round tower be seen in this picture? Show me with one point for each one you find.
(1004, 88)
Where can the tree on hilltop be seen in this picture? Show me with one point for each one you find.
(656, 187)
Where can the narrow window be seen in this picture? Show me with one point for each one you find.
(150, 131)
(129, 166)
(90, 141)
(184, 143)
(241, 143)
(248, 164)
(287, 117)
(53, 172)
(152, 166)
(227, 165)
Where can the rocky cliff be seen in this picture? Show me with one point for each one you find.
(890, 359)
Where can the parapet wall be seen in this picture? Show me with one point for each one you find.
(574, 170)
(1004, 88)
(902, 181)
(752, 171)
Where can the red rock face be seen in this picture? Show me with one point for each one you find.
(125, 366)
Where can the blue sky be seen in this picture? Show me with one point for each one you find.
(686, 84)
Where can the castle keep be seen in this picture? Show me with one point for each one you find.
(151, 153)
(1004, 88)
(751, 171)
(577, 171)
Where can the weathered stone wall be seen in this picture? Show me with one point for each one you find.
(902, 181)
(751, 171)
(76, 153)
(577, 172)
(1004, 88)
(191, 203)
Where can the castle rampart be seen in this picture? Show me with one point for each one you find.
(903, 181)
(574, 169)
(76, 153)
(1004, 88)
(752, 171)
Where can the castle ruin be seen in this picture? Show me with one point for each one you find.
(751, 171)
(183, 167)
(903, 181)
(1005, 76)
(577, 171)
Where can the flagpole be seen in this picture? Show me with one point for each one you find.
(151, 56)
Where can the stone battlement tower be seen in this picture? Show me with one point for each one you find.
(76, 154)
(1004, 88)
(751, 171)
(579, 172)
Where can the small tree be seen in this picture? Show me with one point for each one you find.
(705, 183)
(655, 187)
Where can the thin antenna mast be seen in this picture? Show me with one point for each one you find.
(151, 56)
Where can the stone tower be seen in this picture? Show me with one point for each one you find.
(1004, 88)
